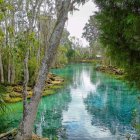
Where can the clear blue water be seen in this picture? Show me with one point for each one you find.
(92, 105)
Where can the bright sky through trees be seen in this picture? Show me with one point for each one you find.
(77, 21)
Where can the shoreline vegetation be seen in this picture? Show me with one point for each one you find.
(114, 71)
(94, 61)
(13, 94)
(108, 69)
(111, 70)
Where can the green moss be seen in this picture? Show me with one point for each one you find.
(12, 100)
(14, 93)
(3, 89)
(56, 87)
(48, 92)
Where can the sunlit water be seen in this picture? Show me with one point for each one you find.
(92, 105)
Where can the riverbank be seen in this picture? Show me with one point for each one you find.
(111, 70)
(108, 69)
(94, 61)
(13, 94)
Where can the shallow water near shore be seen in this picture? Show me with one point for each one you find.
(91, 105)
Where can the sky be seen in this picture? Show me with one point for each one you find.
(77, 21)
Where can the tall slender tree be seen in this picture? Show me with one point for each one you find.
(62, 9)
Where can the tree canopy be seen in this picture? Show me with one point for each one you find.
(118, 24)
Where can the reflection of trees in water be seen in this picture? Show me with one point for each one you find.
(112, 106)
(49, 120)
(81, 74)
(136, 120)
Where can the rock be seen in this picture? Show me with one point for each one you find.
(56, 82)
(110, 69)
(8, 135)
(49, 81)
(17, 88)
(52, 78)
(36, 137)
(14, 93)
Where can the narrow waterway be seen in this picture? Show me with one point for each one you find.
(92, 105)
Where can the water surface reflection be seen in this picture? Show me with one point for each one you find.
(77, 120)
(91, 105)
(101, 106)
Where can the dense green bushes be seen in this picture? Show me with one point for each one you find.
(118, 25)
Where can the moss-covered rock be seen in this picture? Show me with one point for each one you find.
(14, 93)
(10, 135)
(110, 69)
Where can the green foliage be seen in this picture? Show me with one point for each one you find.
(32, 70)
(3, 90)
(61, 57)
(17, 36)
(1, 35)
(70, 54)
(1, 9)
(119, 28)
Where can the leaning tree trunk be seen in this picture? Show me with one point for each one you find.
(25, 133)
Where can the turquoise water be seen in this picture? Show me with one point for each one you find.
(91, 105)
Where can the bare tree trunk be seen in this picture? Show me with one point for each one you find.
(9, 71)
(12, 46)
(1, 70)
(12, 73)
(25, 133)
(25, 93)
(38, 55)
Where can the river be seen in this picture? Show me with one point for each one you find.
(91, 105)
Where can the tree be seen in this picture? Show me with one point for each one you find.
(119, 33)
(91, 31)
(91, 34)
(63, 7)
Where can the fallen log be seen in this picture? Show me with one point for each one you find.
(8, 135)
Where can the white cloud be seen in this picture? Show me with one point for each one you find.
(77, 21)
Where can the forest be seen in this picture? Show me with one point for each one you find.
(35, 41)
